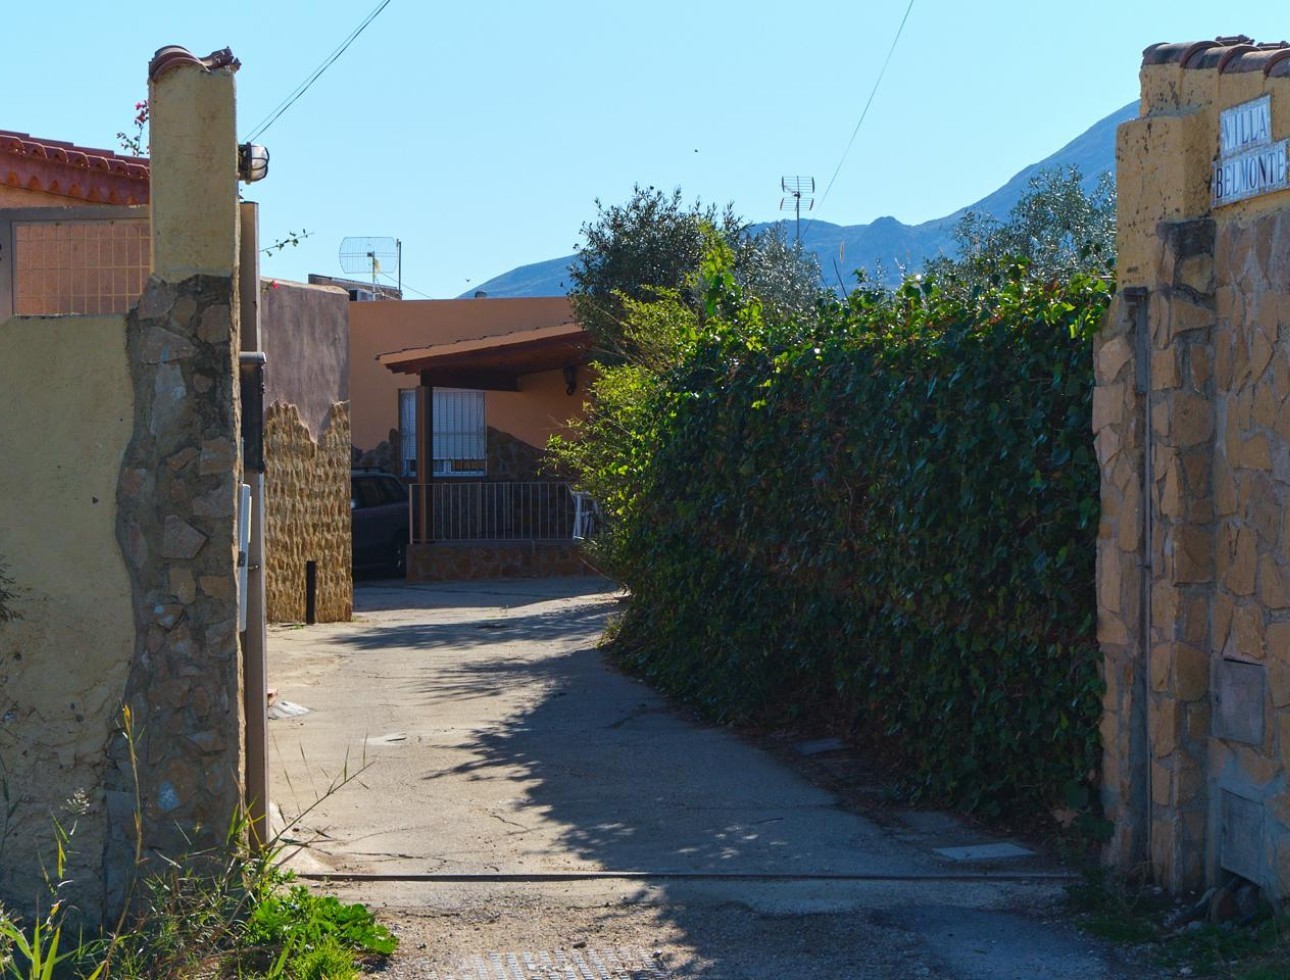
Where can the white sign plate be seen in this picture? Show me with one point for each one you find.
(1256, 171)
(1245, 126)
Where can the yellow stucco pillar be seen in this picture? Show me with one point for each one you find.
(194, 165)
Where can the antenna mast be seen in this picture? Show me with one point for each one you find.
(800, 191)
(370, 255)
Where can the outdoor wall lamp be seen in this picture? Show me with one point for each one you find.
(570, 378)
(252, 162)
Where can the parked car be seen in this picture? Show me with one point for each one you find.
(378, 507)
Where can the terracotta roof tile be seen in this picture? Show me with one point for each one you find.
(172, 56)
(1227, 55)
(68, 170)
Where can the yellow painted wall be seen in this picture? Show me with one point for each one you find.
(66, 416)
(1216, 284)
(380, 327)
(18, 197)
(194, 145)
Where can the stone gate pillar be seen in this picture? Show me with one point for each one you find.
(1193, 436)
(177, 491)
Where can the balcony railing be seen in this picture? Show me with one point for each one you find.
(490, 511)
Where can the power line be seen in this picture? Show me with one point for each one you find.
(410, 289)
(304, 86)
(878, 81)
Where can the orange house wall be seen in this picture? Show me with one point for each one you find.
(532, 414)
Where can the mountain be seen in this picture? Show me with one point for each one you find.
(885, 244)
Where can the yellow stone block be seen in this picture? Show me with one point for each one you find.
(1246, 638)
(1165, 601)
(1129, 527)
(1191, 419)
(1200, 366)
(1222, 619)
(1274, 584)
(1109, 576)
(1279, 666)
(1161, 667)
(1237, 559)
(1198, 721)
(1111, 629)
(1111, 359)
(1162, 785)
(1267, 405)
(1189, 784)
(1162, 726)
(1197, 273)
(1195, 625)
(1108, 406)
(1191, 673)
(1256, 766)
(1193, 556)
(1165, 371)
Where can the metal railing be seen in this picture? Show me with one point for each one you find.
(490, 511)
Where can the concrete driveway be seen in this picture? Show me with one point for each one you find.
(515, 806)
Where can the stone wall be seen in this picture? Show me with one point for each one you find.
(123, 541)
(304, 335)
(307, 514)
(1193, 369)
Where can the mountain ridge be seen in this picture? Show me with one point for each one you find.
(886, 246)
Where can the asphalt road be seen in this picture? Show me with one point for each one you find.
(513, 807)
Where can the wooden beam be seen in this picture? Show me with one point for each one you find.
(479, 380)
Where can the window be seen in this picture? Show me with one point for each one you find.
(460, 433)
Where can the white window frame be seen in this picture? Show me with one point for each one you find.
(460, 432)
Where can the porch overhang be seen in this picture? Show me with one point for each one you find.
(493, 363)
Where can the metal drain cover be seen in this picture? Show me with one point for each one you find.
(562, 964)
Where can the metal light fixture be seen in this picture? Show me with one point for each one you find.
(252, 162)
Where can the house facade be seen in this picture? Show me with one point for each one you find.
(491, 380)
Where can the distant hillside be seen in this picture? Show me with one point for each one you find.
(885, 243)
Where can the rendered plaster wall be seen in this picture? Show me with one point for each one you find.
(20, 197)
(304, 333)
(63, 665)
(381, 327)
(540, 409)
(194, 145)
(1193, 373)
(123, 541)
(307, 514)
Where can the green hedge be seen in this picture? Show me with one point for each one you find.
(886, 527)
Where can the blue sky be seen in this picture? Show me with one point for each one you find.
(481, 134)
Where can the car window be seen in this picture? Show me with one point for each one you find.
(393, 491)
(367, 492)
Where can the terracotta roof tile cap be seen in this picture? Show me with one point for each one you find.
(173, 55)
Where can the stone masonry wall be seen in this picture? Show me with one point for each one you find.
(176, 527)
(1193, 373)
(307, 514)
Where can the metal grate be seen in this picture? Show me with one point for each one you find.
(585, 964)
(79, 267)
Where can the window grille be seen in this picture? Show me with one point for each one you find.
(79, 267)
(460, 432)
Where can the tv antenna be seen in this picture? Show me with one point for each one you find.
(799, 190)
(372, 256)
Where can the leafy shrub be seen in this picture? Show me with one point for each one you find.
(883, 523)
